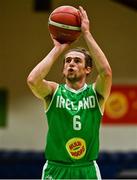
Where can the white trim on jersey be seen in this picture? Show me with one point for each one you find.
(52, 99)
(76, 91)
(97, 99)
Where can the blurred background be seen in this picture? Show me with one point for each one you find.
(24, 41)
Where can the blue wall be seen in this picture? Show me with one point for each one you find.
(28, 165)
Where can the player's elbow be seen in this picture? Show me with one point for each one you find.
(107, 74)
(31, 80)
(107, 71)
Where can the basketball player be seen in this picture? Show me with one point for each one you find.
(74, 109)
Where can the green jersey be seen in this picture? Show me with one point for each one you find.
(74, 121)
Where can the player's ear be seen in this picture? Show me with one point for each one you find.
(88, 70)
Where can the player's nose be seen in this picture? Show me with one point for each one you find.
(72, 62)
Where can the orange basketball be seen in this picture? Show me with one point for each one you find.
(65, 24)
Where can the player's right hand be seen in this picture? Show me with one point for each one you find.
(56, 43)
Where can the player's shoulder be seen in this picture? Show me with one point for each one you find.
(91, 87)
(53, 85)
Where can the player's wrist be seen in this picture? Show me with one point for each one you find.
(86, 33)
(59, 49)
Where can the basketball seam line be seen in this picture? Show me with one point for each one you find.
(64, 25)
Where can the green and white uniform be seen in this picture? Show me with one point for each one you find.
(73, 134)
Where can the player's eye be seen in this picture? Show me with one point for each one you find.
(77, 60)
(68, 60)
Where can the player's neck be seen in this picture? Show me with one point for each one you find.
(75, 85)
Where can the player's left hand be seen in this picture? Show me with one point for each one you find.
(84, 20)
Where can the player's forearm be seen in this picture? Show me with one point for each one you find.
(97, 55)
(43, 68)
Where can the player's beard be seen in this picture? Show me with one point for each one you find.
(73, 77)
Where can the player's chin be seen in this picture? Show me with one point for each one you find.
(72, 77)
(71, 74)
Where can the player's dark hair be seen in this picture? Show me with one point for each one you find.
(88, 59)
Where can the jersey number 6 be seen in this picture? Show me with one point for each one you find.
(76, 123)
